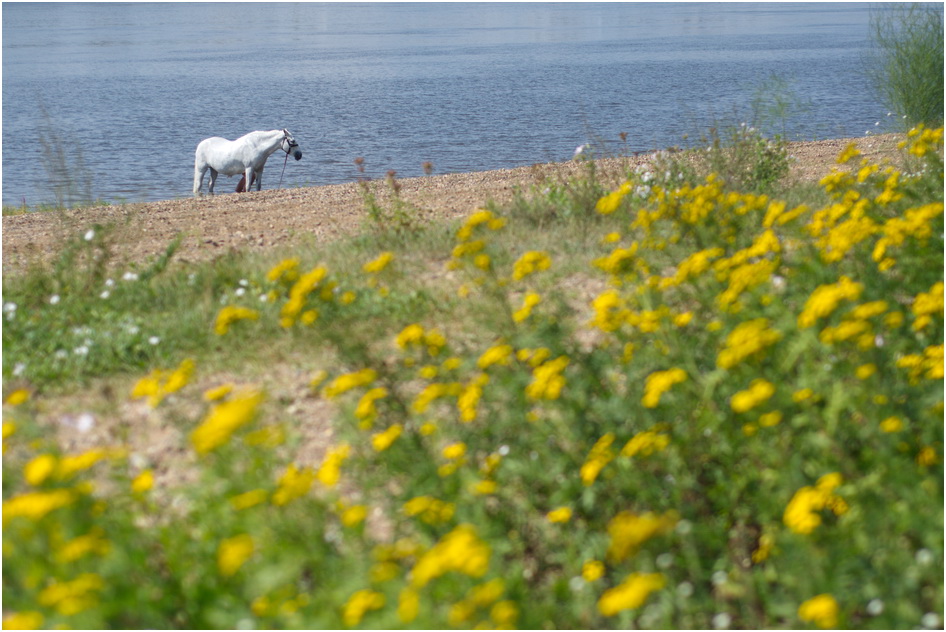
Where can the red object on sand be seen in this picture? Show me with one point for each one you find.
(241, 185)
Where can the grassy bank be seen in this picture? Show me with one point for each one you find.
(700, 399)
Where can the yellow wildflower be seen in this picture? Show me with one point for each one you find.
(530, 300)
(850, 152)
(658, 383)
(27, 620)
(233, 553)
(224, 419)
(630, 594)
(17, 397)
(330, 470)
(248, 499)
(143, 482)
(460, 551)
(801, 512)
(599, 456)
(359, 604)
(500, 354)
(366, 409)
(80, 546)
(821, 610)
(529, 263)
(35, 505)
(72, 597)
(759, 391)
(294, 483)
(454, 451)
(610, 202)
(408, 605)
(926, 305)
(39, 468)
(378, 264)
(286, 269)
(628, 531)
(547, 380)
(354, 515)
(925, 457)
(218, 393)
(381, 441)
(825, 299)
(229, 315)
(645, 443)
(592, 570)
(348, 381)
(562, 514)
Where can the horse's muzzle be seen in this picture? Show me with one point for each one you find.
(297, 155)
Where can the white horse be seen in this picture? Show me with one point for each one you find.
(246, 155)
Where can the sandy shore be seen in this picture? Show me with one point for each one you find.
(212, 226)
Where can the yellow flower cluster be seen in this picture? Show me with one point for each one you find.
(748, 339)
(348, 381)
(481, 597)
(547, 380)
(801, 514)
(914, 223)
(600, 455)
(233, 553)
(414, 335)
(926, 305)
(294, 309)
(628, 531)
(224, 419)
(612, 201)
(825, 299)
(928, 365)
(158, 384)
(658, 383)
(922, 140)
(331, 469)
(530, 300)
(821, 610)
(430, 510)
(294, 483)
(459, 551)
(530, 263)
(380, 263)
(286, 270)
(759, 391)
(359, 604)
(381, 441)
(229, 315)
(72, 597)
(646, 443)
(631, 593)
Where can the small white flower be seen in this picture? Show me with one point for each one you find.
(665, 560)
(105, 294)
(133, 329)
(580, 150)
(109, 283)
(90, 234)
(81, 350)
(503, 450)
(263, 298)
(129, 276)
(153, 340)
(875, 607)
(923, 557)
(684, 527)
(61, 354)
(244, 283)
(930, 621)
(85, 422)
(685, 589)
(54, 299)
(19, 368)
(9, 308)
(576, 584)
(722, 621)
(239, 291)
(719, 577)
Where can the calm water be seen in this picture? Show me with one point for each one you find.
(465, 86)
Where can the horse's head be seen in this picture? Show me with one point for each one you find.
(290, 146)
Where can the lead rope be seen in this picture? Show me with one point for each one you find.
(283, 170)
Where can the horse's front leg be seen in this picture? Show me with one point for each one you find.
(213, 180)
(259, 178)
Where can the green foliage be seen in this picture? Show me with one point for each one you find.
(906, 67)
(722, 411)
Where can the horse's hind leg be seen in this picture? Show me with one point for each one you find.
(213, 180)
(198, 179)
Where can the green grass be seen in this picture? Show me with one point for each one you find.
(674, 404)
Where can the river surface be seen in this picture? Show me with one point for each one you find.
(108, 100)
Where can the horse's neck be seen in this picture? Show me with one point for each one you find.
(269, 141)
